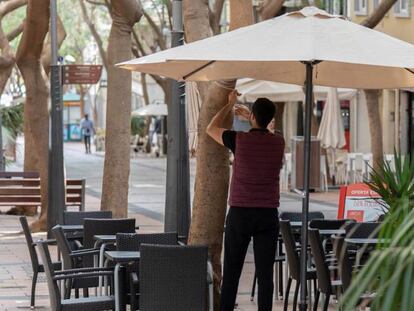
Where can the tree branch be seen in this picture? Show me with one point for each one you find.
(270, 8)
(157, 31)
(378, 14)
(15, 32)
(10, 6)
(215, 16)
(138, 43)
(94, 33)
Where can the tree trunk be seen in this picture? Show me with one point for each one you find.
(270, 8)
(280, 109)
(125, 13)
(374, 115)
(212, 172)
(28, 59)
(375, 127)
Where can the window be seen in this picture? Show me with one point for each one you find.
(402, 8)
(361, 7)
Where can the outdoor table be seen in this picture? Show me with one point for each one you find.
(119, 258)
(364, 240)
(103, 241)
(72, 228)
(332, 232)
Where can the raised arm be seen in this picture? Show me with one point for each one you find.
(217, 125)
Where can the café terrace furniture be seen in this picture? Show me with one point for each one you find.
(326, 286)
(78, 304)
(132, 242)
(36, 266)
(175, 278)
(293, 263)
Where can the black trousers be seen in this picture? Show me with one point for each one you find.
(241, 225)
(87, 140)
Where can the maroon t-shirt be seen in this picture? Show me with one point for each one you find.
(258, 158)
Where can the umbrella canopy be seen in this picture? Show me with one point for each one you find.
(152, 110)
(281, 92)
(351, 55)
(331, 130)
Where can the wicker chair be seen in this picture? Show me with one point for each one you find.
(92, 227)
(132, 242)
(174, 278)
(76, 218)
(73, 259)
(36, 266)
(81, 304)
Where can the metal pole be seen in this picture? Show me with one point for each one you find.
(305, 201)
(177, 203)
(56, 187)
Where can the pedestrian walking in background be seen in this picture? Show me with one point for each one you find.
(254, 198)
(88, 130)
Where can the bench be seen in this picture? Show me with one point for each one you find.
(23, 189)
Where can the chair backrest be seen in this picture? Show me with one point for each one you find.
(297, 216)
(173, 278)
(54, 293)
(344, 262)
(76, 218)
(92, 227)
(362, 230)
(64, 247)
(29, 242)
(290, 246)
(322, 270)
(327, 224)
(133, 241)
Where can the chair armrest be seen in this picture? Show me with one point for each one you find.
(49, 241)
(181, 243)
(134, 278)
(86, 252)
(82, 275)
(81, 270)
(210, 278)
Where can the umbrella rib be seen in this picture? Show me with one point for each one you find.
(198, 69)
(410, 70)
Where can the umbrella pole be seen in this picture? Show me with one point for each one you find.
(305, 200)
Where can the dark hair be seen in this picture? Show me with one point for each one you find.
(264, 111)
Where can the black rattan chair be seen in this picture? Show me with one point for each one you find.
(296, 216)
(36, 266)
(76, 218)
(294, 263)
(92, 227)
(325, 284)
(81, 304)
(362, 230)
(73, 259)
(132, 242)
(174, 278)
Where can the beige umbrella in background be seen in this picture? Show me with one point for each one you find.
(193, 106)
(307, 47)
(331, 130)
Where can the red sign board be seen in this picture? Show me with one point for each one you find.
(81, 74)
(359, 202)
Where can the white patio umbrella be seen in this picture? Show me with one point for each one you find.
(282, 92)
(152, 110)
(306, 47)
(331, 130)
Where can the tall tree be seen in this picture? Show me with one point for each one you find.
(212, 172)
(372, 96)
(125, 13)
(28, 59)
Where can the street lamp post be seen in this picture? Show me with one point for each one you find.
(177, 203)
(56, 187)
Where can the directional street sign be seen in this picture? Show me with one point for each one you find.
(81, 74)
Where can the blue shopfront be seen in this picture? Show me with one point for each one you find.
(71, 117)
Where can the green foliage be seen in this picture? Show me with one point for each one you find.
(389, 272)
(137, 125)
(12, 119)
